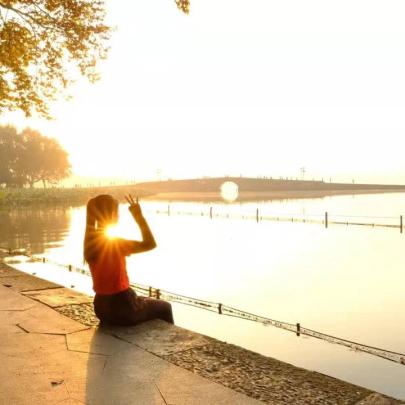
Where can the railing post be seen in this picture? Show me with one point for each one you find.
(168, 209)
(401, 224)
(150, 291)
(298, 329)
(43, 260)
(158, 293)
(211, 212)
(220, 309)
(257, 214)
(326, 219)
(70, 267)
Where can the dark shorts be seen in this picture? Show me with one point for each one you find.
(126, 308)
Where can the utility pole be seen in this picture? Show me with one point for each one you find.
(159, 174)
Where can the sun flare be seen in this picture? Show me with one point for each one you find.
(111, 231)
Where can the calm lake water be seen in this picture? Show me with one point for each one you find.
(346, 281)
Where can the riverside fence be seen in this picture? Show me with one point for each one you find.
(223, 309)
(326, 218)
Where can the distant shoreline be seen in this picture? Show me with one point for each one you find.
(246, 196)
(76, 197)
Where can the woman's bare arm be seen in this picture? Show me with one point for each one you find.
(148, 241)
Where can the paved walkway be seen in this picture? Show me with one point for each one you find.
(47, 358)
(51, 353)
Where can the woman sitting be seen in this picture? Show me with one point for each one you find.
(115, 302)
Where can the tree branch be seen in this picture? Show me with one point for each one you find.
(25, 15)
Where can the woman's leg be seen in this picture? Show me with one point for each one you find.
(129, 309)
(102, 308)
(155, 309)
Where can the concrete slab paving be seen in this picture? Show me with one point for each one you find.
(93, 341)
(42, 319)
(35, 317)
(70, 401)
(12, 301)
(44, 373)
(44, 365)
(31, 346)
(33, 390)
(73, 368)
(58, 297)
(26, 283)
(9, 321)
(97, 390)
(51, 359)
(177, 388)
(133, 376)
(159, 337)
(125, 365)
(6, 271)
(24, 376)
(175, 385)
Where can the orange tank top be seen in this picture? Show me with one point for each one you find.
(109, 272)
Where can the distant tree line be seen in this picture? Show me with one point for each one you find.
(27, 157)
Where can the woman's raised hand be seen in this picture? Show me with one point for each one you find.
(134, 207)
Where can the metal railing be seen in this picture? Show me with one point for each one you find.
(326, 219)
(223, 309)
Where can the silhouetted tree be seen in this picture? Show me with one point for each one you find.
(55, 164)
(29, 157)
(8, 154)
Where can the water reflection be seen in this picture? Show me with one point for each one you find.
(35, 228)
(345, 281)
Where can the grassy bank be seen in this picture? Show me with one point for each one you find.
(25, 197)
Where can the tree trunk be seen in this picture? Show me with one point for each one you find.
(44, 182)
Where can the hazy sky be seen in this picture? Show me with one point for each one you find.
(254, 87)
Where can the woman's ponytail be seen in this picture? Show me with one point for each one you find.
(90, 233)
(100, 211)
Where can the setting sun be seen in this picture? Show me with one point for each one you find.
(229, 191)
(111, 231)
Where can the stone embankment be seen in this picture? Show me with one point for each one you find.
(245, 376)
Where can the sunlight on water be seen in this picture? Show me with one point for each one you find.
(229, 191)
(345, 280)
